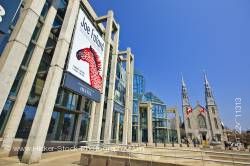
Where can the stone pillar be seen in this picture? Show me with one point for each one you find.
(111, 91)
(18, 43)
(26, 86)
(150, 126)
(78, 127)
(139, 135)
(139, 127)
(100, 106)
(131, 69)
(168, 134)
(91, 122)
(127, 99)
(177, 126)
(117, 128)
(79, 121)
(45, 107)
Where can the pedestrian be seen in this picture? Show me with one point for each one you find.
(193, 140)
(226, 145)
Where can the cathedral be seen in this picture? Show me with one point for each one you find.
(202, 122)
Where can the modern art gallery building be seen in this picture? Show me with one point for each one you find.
(63, 80)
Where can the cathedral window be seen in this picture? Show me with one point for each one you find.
(216, 123)
(201, 122)
(209, 94)
(213, 110)
(189, 124)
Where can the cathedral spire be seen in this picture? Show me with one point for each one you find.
(205, 79)
(208, 92)
(184, 94)
(182, 81)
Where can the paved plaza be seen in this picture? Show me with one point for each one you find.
(176, 156)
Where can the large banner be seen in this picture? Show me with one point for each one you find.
(82, 88)
(87, 53)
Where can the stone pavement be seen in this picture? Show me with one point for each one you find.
(62, 158)
(166, 155)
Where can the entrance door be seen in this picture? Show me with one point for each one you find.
(203, 135)
(144, 135)
(144, 124)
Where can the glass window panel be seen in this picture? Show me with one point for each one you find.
(53, 126)
(45, 9)
(28, 54)
(5, 115)
(26, 122)
(68, 127)
(83, 134)
(17, 83)
(37, 31)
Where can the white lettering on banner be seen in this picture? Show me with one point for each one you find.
(94, 35)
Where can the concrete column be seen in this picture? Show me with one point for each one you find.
(150, 126)
(45, 107)
(177, 126)
(117, 128)
(111, 91)
(26, 86)
(168, 135)
(91, 122)
(18, 43)
(139, 138)
(139, 128)
(127, 99)
(140, 134)
(79, 120)
(99, 106)
(78, 127)
(131, 69)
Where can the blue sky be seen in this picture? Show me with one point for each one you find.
(170, 37)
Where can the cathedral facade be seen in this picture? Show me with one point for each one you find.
(202, 122)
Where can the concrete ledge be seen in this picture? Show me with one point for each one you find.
(111, 160)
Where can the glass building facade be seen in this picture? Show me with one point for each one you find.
(71, 118)
(163, 130)
(138, 92)
(159, 117)
(119, 102)
(38, 84)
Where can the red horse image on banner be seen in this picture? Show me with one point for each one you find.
(90, 56)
